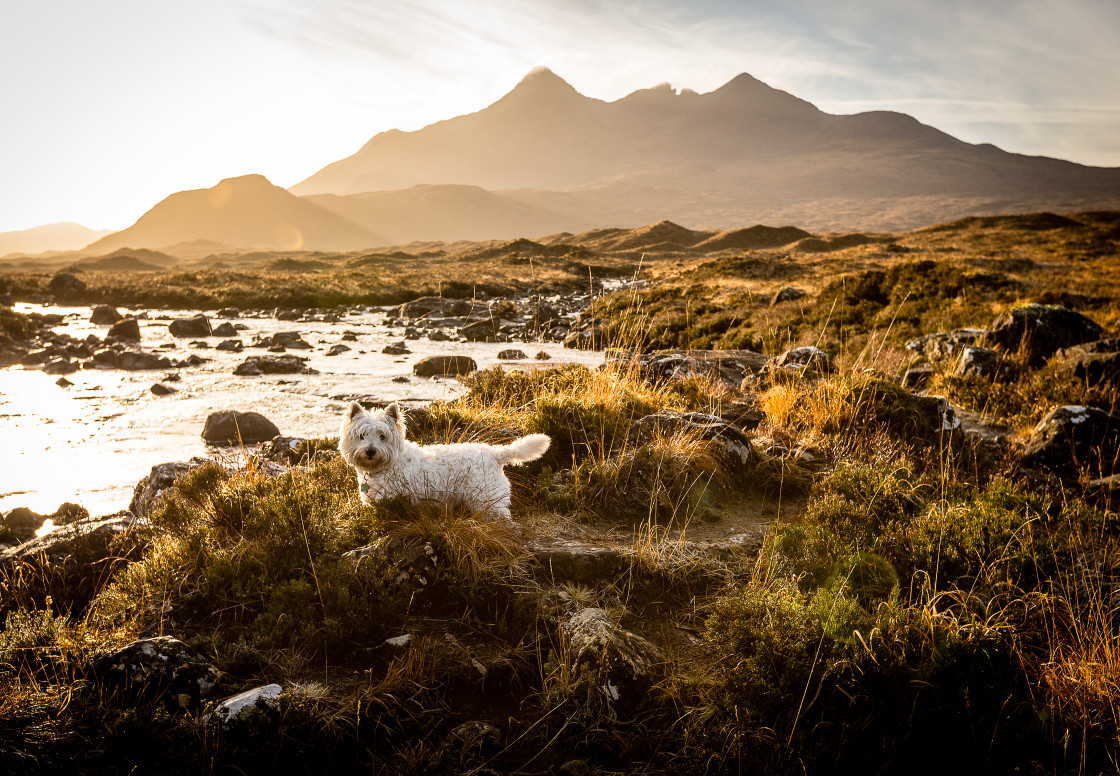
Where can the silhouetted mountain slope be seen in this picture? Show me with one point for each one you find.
(743, 153)
(241, 212)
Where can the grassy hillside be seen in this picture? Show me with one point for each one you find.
(863, 586)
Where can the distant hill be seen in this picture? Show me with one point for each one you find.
(744, 153)
(245, 212)
(128, 260)
(66, 236)
(446, 212)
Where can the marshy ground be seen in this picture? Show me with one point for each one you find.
(789, 566)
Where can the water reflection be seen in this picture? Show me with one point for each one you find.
(90, 443)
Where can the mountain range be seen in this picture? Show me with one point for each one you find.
(545, 158)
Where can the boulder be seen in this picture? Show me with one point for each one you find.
(945, 346)
(20, 525)
(512, 354)
(134, 360)
(542, 356)
(337, 349)
(104, 314)
(61, 366)
(735, 448)
(71, 564)
(250, 705)
(410, 565)
(568, 560)
(1037, 331)
(65, 286)
(444, 365)
(161, 666)
(986, 363)
(195, 326)
(125, 329)
(593, 338)
(807, 361)
(393, 349)
(159, 389)
(427, 305)
(62, 382)
(918, 376)
(467, 746)
(485, 330)
(608, 662)
(290, 339)
(1095, 368)
(225, 329)
(1070, 440)
(786, 294)
(231, 345)
(151, 488)
(230, 427)
(229, 312)
(273, 365)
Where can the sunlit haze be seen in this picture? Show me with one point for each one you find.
(111, 106)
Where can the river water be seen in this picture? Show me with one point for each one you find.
(90, 443)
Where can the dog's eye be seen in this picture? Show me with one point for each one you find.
(380, 435)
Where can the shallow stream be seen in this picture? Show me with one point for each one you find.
(92, 442)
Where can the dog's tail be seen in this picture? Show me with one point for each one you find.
(523, 450)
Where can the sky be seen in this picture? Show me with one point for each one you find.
(109, 106)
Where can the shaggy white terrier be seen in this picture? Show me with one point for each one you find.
(389, 465)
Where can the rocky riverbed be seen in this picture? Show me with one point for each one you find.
(86, 430)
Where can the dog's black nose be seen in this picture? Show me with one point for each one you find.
(371, 452)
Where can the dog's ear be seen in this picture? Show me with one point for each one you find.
(355, 410)
(393, 413)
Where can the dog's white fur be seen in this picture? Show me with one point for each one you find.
(388, 465)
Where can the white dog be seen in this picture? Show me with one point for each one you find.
(389, 465)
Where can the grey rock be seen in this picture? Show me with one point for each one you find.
(159, 389)
(135, 360)
(20, 525)
(126, 329)
(567, 560)
(230, 427)
(412, 564)
(1037, 331)
(161, 666)
(614, 665)
(104, 314)
(945, 346)
(427, 305)
(148, 492)
(273, 365)
(396, 349)
(1095, 368)
(229, 312)
(1074, 439)
(485, 330)
(512, 354)
(195, 326)
(786, 294)
(65, 286)
(918, 376)
(231, 345)
(225, 329)
(444, 365)
(806, 361)
(734, 446)
(252, 704)
(986, 363)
